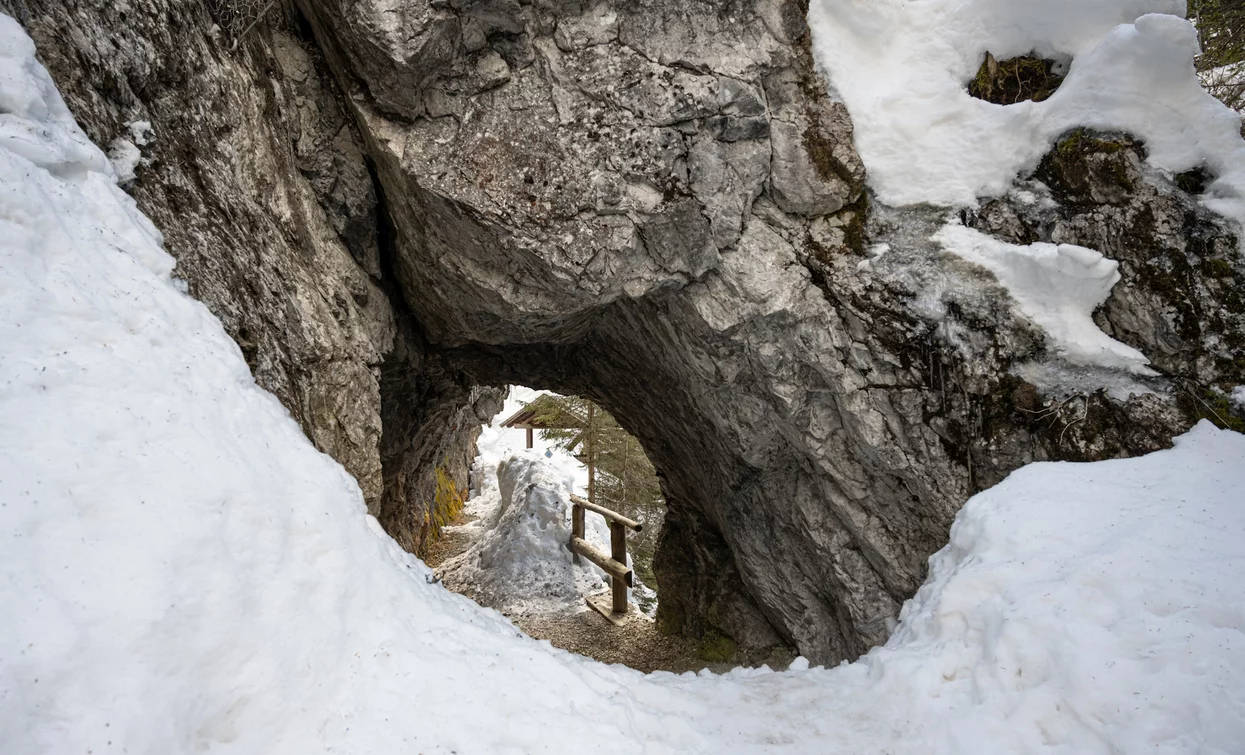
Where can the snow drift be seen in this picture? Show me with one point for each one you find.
(519, 562)
(183, 572)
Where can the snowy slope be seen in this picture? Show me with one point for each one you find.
(181, 570)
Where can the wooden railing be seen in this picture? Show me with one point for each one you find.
(615, 564)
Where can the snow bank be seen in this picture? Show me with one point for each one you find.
(1079, 609)
(902, 69)
(182, 571)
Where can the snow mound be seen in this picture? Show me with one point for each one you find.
(520, 563)
(182, 571)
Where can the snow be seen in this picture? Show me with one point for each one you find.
(496, 442)
(125, 158)
(1057, 287)
(518, 561)
(520, 503)
(141, 132)
(902, 69)
(182, 571)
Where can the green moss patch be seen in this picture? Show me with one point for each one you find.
(1006, 82)
(716, 647)
(1090, 167)
(1193, 181)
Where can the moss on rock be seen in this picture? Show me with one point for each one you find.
(716, 647)
(1089, 167)
(1006, 82)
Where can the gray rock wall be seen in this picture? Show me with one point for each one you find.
(658, 205)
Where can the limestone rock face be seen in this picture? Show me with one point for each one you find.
(255, 172)
(621, 200)
(657, 205)
(1182, 297)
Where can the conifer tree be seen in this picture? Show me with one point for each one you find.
(621, 477)
(1221, 64)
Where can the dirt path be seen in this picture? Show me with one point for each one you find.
(454, 540)
(636, 643)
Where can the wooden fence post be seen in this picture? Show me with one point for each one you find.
(577, 527)
(618, 546)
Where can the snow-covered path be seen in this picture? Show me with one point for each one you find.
(181, 571)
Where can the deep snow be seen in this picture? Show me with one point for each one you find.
(182, 571)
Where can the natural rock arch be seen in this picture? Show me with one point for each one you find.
(653, 204)
(659, 207)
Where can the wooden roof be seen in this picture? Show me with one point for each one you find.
(526, 418)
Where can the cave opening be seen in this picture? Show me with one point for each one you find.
(508, 545)
(612, 468)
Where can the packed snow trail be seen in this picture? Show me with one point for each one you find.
(182, 571)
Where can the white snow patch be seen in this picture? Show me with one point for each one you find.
(1238, 396)
(141, 132)
(1057, 287)
(182, 571)
(125, 158)
(902, 68)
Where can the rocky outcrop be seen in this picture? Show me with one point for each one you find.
(1180, 300)
(255, 172)
(656, 205)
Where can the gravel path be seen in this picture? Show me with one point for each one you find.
(635, 643)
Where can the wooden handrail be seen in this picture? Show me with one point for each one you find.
(610, 516)
(614, 568)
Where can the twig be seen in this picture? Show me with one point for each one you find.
(251, 25)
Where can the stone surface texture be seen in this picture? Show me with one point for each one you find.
(255, 172)
(657, 205)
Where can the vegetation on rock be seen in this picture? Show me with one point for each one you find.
(1006, 82)
(1221, 31)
